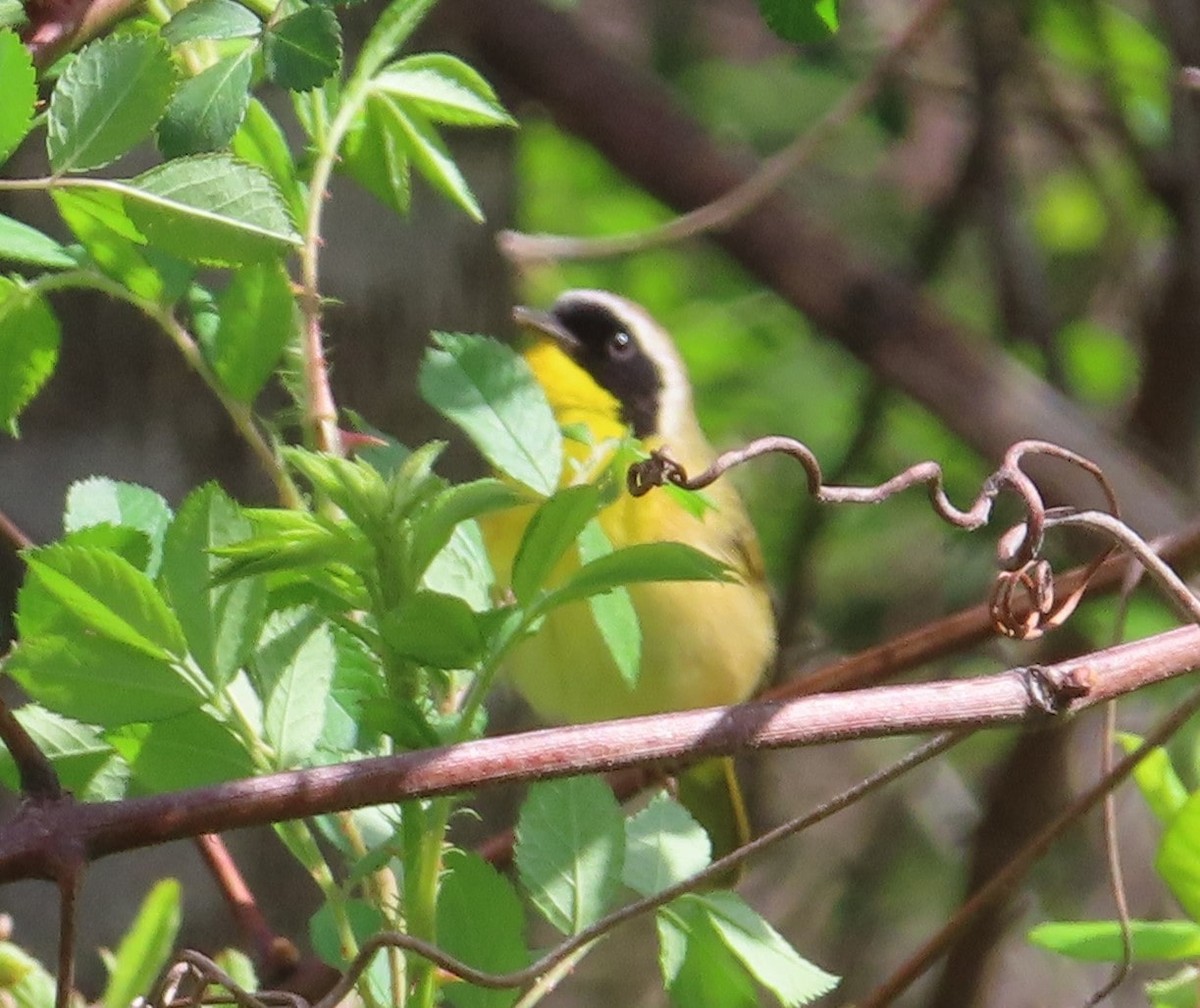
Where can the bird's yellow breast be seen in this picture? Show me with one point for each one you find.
(703, 644)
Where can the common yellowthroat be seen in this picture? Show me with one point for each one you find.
(606, 365)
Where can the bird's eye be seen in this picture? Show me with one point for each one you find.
(620, 345)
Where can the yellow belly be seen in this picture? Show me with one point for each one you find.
(703, 644)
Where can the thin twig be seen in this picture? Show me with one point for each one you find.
(36, 774)
(742, 198)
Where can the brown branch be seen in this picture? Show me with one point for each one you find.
(984, 397)
(1007, 698)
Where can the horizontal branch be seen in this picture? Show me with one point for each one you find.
(44, 837)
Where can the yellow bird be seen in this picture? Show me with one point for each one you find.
(606, 365)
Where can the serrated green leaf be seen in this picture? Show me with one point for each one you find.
(29, 341)
(21, 243)
(211, 19)
(613, 611)
(257, 319)
(304, 49)
(435, 525)
(111, 597)
(391, 30)
(18, 84)
(191, 750)
(764, 953)
(259, 141)
(99, 681)
(294, 663)
(430, 156)
(699, 970)
(207, 109)
(76, 750)
(211, 209)
(108, 100)
(99, 500)
(569, 850)
(554, 527)
(801, 20)
(374, 154)
(463, 568)
(642, 562)
(480, 921)
(438, 631)
(663, 845)
(443, 89)
(220, 622)
(1156, 779)
(98, 219)
(146, 946)
(1100, 941)
(490, 393)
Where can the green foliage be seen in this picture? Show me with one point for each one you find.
(145, 947)
(800, 20)
(166, 649)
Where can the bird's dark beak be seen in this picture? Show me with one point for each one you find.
(545, 324)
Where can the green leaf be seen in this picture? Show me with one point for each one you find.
(108, 100)
(1178, 858)
(191, 750)
(1156, 779)
(76, 750)
(764, 953)
(146, 946)
(100, 681)
(569, 850)
(324, 929)
(490, 392)
(24, 979)
(800, 20)
(480, 921)
(208, 108)
(98, 500)
(295, 664)
(21, 243)
(1100, 941)
(1181, 990)
(463, 569)
(259, 141)
(392, 29)
(211, 19)
(660, 561)
(663, 845)
(211, 209)
(613, 611)
(699, 970)
(435, 525)
(220, 622)
(29, 340)
(554, 527)
(258, 318)
(18, 84)
(111, 597)
(430, 156)
(304, 49)
(439, 631)
(374, 154)
(442, 89)
(98, 219)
